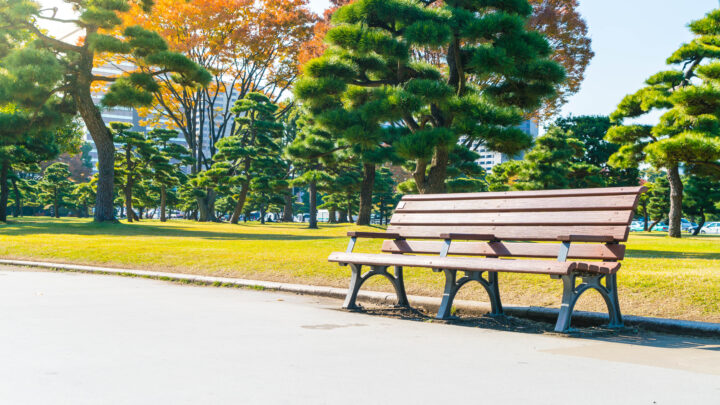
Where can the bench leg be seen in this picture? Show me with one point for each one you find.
(571, 293)
(452, 285)
(357, 280)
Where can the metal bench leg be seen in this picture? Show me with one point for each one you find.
(571, 293)
(357, 280)
(452, 285)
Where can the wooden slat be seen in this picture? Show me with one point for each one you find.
(515, 218)
(512, 233)
(507, 249)
(474, 264)
(569, 203)
(527, 194)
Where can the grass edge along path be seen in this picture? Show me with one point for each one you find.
(661, 277)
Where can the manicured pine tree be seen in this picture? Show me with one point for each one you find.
(166, 164)
(700, 196)
(385, 196)
(549, 165)
(56, 186)
(373, 74)
(132, 161)
(70, 68)
(257, 135)
(658, 205)
(688, 131)
(591, 131)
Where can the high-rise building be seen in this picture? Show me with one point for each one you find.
(489, 159)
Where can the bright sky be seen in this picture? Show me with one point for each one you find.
(631, 40)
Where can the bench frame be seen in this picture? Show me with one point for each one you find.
(571, 289)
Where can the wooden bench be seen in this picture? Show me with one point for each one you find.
(573, 235)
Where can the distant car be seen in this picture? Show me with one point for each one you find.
(637, 226)
(711, 227)
(687, 226)
(661, 227)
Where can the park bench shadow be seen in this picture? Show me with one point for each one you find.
(628, 335)
(123, 230)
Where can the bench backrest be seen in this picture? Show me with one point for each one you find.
(516, 216)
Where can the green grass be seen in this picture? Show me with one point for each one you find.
(660, 276)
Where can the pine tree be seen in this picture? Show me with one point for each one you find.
(69, 69)
(549, 165)
(372, 86)
(658, 204)
(56, 186)
(131, 162)
(701, 194)
(166, 163)
(689, 131)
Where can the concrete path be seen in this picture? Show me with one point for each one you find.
(69, 338)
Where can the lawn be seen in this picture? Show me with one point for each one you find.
(660, 277)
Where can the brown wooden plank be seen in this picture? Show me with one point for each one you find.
(474, 264)
(507, 249)
(615, 217)
(375, 235)
(534, 204)
(512, 232)
(525, 194)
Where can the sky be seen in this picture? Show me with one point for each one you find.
(631, 39)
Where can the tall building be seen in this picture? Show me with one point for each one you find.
(489, 159)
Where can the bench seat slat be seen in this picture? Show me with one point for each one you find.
(507, 249)
(475, 264)
(511, 232)
(574, 218)
(536, 204)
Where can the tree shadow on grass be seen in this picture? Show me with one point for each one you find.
(30, 227)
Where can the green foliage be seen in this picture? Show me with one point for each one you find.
(373, 89)
(56, 187)
(658, 193)
(555, 162)
(701, 198)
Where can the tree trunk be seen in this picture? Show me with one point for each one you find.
(56, 205)
(128, 200)
(18, 199)
(288, 209)
(343, 216)
(700, 224)
(676, 193)
(101, 136)
(262, 216)
(240, 202)
(163, 203)
(652, 225)
(366, 194)
(206, 207)
(313, 205)
(435, 183)
(4, 190)
(332, 216)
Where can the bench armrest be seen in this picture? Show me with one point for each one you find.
(469, 236)
(586, 238)
(374, 235)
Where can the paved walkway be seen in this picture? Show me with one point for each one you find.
(69, 338)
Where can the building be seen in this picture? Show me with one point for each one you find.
(489, 159)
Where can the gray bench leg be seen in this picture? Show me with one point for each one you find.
(357, 280)
(452, 285)
(571, 293)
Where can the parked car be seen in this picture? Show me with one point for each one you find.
(711, 227)
(687, 226)
(661, 227)
(637, 226)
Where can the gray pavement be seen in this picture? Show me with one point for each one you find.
(71, 338)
